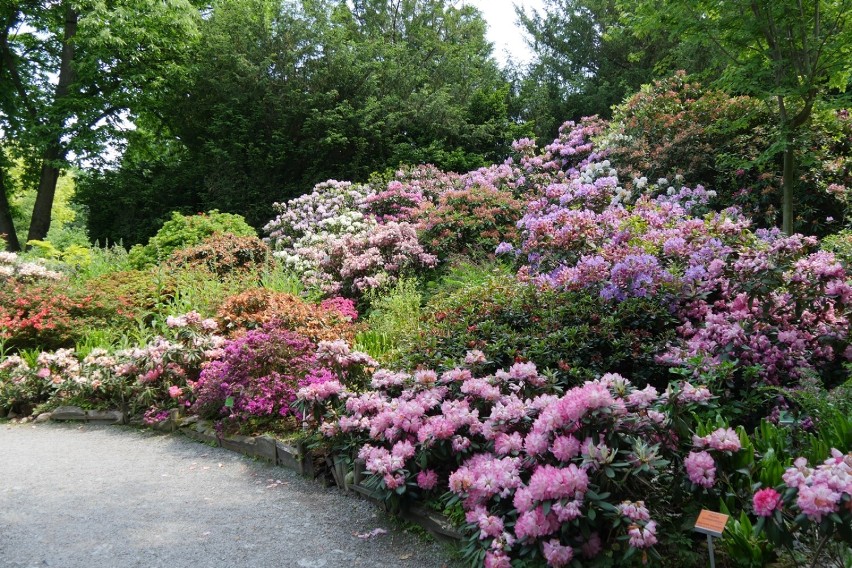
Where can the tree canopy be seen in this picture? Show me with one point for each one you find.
(70, 72)
(792, 53)
(279, 96)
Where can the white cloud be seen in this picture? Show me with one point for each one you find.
(503, 31)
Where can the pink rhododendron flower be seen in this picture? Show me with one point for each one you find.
(635, 511)
(723, 440)
(427, 479)
(474, 357)
(766, 501)
(175, 391)
(565, 448)
(497, 560)
(701, 469)
(556, 553)
(797, 475)
(817, 501)
(643, 537)
(592, 547)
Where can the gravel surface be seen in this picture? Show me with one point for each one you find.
(106, 496)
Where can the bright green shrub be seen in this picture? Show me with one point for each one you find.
(183, 231)
(136, 291)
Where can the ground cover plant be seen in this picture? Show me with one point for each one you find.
(567, 359)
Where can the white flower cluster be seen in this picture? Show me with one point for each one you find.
(11, 266)
(300, 216)
(305, 226)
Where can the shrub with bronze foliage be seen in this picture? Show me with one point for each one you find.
(223, 254)
(256, 307)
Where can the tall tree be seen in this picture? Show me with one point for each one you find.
(280, 95)
(587, 59)
(792, 53)
(70, 72)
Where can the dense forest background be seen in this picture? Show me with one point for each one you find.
(115, 114)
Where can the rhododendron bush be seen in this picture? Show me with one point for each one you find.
(629, 353)
(539, 474)
(256, 307)
(37, 309)
(759, 298)
(156, 377)
(256, 376)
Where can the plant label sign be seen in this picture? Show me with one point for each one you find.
(711, 523)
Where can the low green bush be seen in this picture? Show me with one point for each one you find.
(183, 231)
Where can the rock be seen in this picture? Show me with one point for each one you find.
(187, 421)
(167, 425)
(43, 417)
(68, 413)
(206, 437)
(105, 416)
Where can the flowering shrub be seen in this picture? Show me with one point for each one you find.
(758, 298)
(160, 375)
(677, 128)
(312, 212)
(258, 306)
(818, 499)
(343, 306)
(354, 264)
(397, 202)
(135, 292)
(470, 221)
(300, 233)
(13, 267)
(46, 315)
(541, 476)
(222, 254)
(154, 376)
(256, 378)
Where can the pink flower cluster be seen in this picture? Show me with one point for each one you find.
(355, 263)
(700, 466)
(823, 488)
(526, 463)
(762, 298)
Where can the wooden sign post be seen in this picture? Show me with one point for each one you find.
(713, 525)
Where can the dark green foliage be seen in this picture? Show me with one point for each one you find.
(678, 127)
(128, 205)
(587, 60)
(280, 96)
(572, 334)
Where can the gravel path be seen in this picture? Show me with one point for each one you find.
(104, 496)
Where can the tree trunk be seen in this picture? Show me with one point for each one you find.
(7, 227)
(40, 224)
(54, 154)
(788, 182)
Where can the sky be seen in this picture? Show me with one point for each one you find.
(502, 29)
